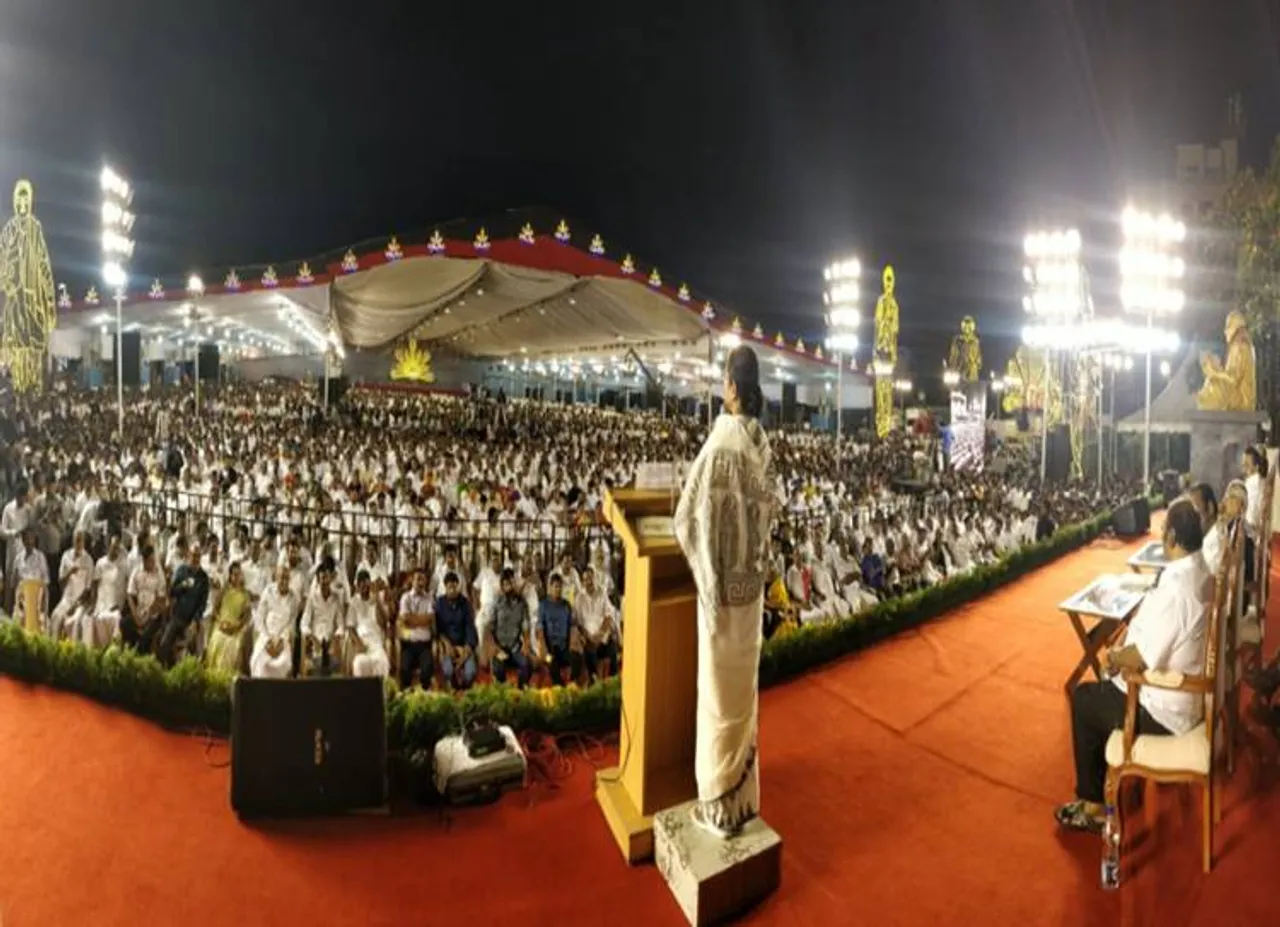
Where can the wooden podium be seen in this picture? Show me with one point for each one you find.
(659, 673)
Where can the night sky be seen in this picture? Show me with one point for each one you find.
(737, 145)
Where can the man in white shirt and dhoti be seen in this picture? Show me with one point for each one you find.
(323, 626)
(273, 630)
(365, 622)
(723, 524)
(14, 520)
(31, 573)
(75, 574)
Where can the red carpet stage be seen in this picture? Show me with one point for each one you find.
(913, 784)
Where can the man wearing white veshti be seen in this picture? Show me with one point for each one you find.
(273, 630)
(723, 524)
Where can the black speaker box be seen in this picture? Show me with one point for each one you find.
(210, 358)
(338, 387)
(307, 746)
(1058, 464)
(788, 403)
(1133, 519)
(131, 357)
(1125, 521)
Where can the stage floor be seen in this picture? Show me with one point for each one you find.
(912, 784)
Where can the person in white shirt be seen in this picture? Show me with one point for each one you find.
(75, 575)
(96, 625)
(417, 619)
(148, 602)
(1255, 471)
(13, 521)
(598, 619)
(364, 618)
(31, 571)
(323, 626)
(1167, 634)
(273, 630)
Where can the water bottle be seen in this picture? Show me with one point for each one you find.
(1110, 851)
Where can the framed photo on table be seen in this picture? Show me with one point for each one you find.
(1109, 601)
(1150, 558)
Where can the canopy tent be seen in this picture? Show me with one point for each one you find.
(1171, 410)
(520, 288)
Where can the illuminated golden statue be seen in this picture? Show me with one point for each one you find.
(1230, 387)
(966, 352)
(886, 353)
(412, 363)
(30, 298)
(1027, 380)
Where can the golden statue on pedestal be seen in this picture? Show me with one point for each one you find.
(26, 283)
(966, 352)
(1233, 386)
(886, 352)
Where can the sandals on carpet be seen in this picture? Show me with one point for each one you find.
(1073, 817)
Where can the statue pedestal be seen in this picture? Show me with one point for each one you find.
(1218, 440)
(711, 878)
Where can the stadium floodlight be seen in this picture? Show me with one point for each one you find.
(117, 248)
(841, 298)
(1151, 273)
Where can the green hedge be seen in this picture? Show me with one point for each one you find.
(191, 696)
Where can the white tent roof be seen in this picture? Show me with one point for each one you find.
(541, 294)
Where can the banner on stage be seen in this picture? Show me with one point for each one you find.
(968, 427)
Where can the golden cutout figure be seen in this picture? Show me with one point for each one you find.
(966, 352)
(886, 352)
(1233, 386)
(26, 280)
(412, 363)
(1027, 378)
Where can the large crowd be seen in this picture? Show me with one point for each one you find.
(436, 537)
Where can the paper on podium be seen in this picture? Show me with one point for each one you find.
(656, 526)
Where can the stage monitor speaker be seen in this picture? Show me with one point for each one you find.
(1133, 519)
(307, 746)
(131, 357)
(1058, 464)
(209, 360)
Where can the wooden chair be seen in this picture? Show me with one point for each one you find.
(1188, 757)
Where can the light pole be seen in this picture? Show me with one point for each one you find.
(1151, 274)
(840, 295)
(195, 289)
(1055, 292)
(117, 249)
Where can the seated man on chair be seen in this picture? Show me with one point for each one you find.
(147, 604)
(1167, 634)
(456, 640)
(273, 627)
(559, 635)
(507, 636)
(323, 625)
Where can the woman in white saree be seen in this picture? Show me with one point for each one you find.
(723, 523)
